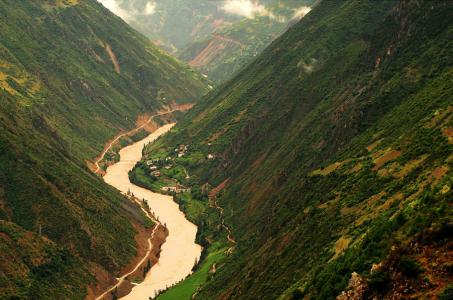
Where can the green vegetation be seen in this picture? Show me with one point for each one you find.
(72, 75)
(198, 208)
(188, 287)
(37, 267)
(447, 293)
(336, 144)
(195, 208)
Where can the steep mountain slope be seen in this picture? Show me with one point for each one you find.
(71, 76)
(331, 154)
(229, 48)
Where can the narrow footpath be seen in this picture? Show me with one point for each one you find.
(129, 133)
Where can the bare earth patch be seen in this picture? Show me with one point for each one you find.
(399, 171)
(113, 58)
(439, 172)
(214, 48)
(391, 155)
(448, 133)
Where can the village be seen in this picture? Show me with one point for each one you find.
(160, 168)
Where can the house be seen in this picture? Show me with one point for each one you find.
(176, 189)
(169, 189)
(153, 168)
(182, 150)
(156, 173)
(211, 156)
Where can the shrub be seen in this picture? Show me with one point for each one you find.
(447, 294)
(297, 294)
(410, 267)
(379, 280)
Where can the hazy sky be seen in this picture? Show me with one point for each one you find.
(128, 11)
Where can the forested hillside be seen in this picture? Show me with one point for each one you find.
(331, 155)
(72, 75)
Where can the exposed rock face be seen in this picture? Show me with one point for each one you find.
(356, 290)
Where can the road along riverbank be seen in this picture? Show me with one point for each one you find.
(179, 253)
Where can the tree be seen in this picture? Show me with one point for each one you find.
(297, 294)
(147, 268)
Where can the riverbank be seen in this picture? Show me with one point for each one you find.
(200, 205)
(144, 122)
(179, 252)
(149, 241)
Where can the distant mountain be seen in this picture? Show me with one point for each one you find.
(229, 48)
(172, 24)
(331, 155)
(216, 37)
(72, 75)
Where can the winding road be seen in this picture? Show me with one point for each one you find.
(131, 132)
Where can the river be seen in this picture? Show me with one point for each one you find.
(179, 252)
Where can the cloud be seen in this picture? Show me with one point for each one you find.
(300, 12)
(114, 7)
(127, 10)
(245, 8)
(150, 8)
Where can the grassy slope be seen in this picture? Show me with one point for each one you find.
(61, 99)
(189, 287)
(348, 75)
(27, 259)
(62, 54)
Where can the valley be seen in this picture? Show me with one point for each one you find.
(63, 94)
(232, 150)
(324, 160)
(215, 37)
(179, 253)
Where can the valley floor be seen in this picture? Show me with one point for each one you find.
(179, 253)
